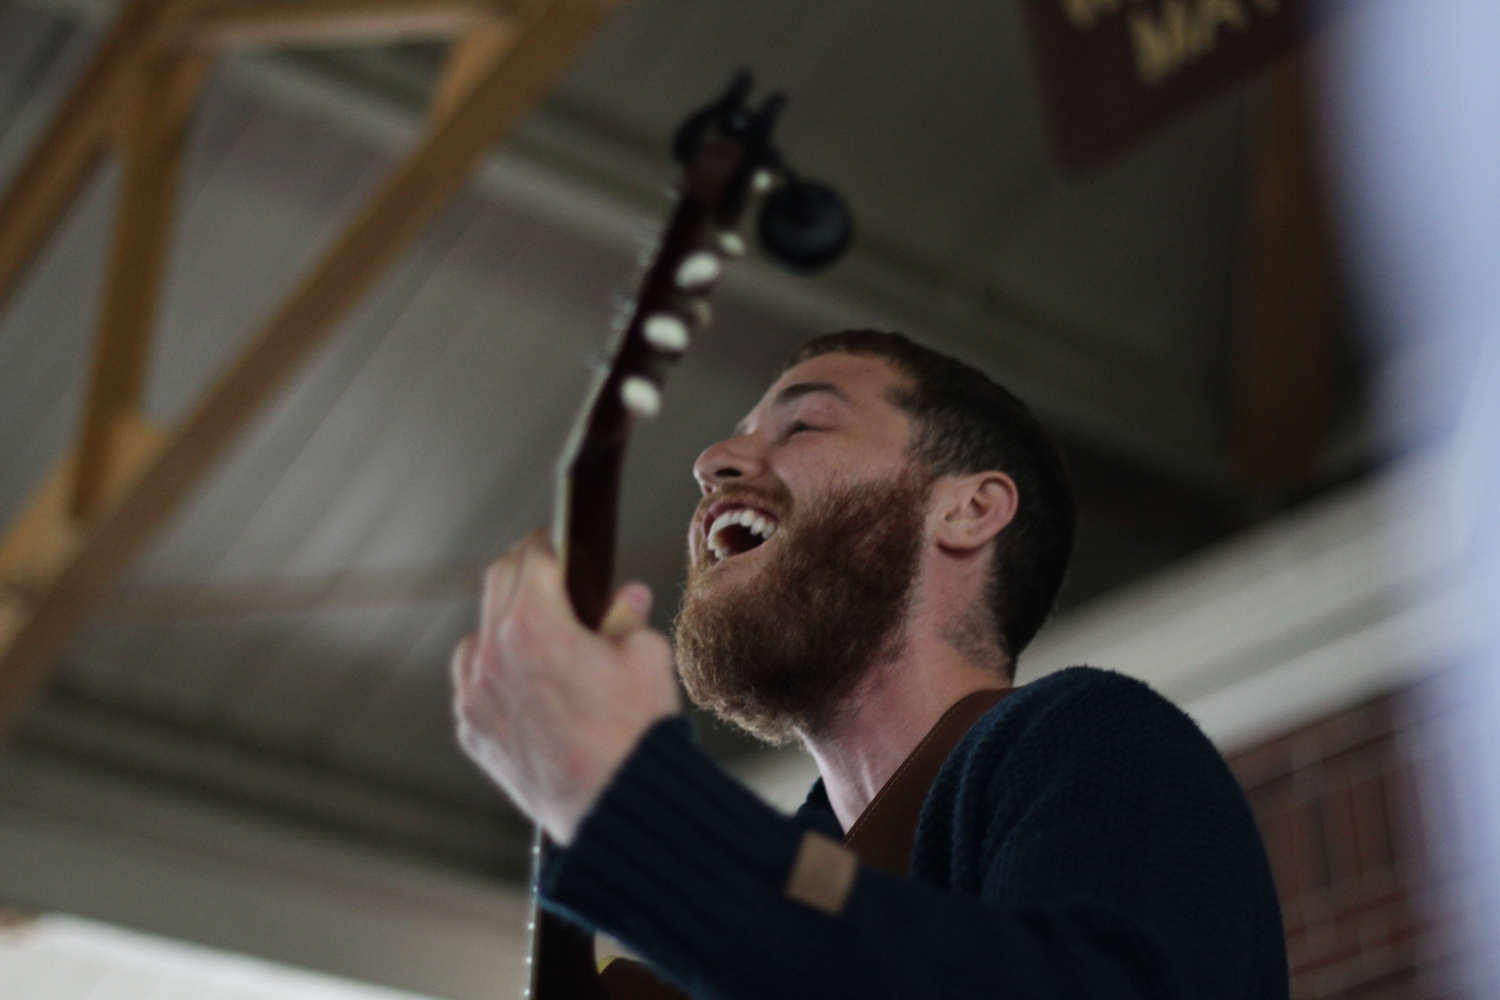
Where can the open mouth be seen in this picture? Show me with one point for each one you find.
(736, 530)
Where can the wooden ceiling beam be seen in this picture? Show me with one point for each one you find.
(74, 144)
(324, 22)
(55, 595)
(161, 95)
(44, 538)
(482, 43)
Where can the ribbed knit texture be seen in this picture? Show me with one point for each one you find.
(1083, 840)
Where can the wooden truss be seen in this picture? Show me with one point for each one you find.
(124, 477)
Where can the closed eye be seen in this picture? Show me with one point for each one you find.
(798, 426)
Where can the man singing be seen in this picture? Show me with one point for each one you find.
(876, 543)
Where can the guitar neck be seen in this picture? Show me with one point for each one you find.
(586, 519)
(726, 156)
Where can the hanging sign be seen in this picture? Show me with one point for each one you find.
(1114, 70)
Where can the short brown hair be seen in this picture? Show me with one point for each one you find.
(966, 423)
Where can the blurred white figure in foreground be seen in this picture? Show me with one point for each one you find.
(1413, 90)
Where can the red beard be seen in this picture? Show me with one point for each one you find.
(779, 654)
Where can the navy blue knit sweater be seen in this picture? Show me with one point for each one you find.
(1083, 840)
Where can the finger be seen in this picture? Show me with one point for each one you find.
(539, 539)
(629, 612)
(461, 663)
(538, 616)
(650, 657)
(499, 587)
(540, 578)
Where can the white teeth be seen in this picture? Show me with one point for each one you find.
(723, 521)
(759, 524)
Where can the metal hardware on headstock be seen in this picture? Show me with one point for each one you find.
(731, 245)
(727, 160)
(727, 157)
(701, 314)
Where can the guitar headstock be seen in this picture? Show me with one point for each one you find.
(727, 162)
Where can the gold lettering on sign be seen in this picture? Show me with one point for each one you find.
(1185, 32)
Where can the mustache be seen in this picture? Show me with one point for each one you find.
(776, 498)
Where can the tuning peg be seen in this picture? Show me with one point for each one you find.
(698, 271)
(640, 396)
(666, 333)
(731, 244)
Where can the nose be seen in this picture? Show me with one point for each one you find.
(734, 458)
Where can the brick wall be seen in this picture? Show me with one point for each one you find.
(1335, 803)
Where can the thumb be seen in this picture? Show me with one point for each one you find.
(629, 613)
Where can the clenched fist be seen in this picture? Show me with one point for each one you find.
(548, 708)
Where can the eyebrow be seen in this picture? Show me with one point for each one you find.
(796, 391)
(799, 389)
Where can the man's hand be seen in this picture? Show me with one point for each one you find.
(548, 708)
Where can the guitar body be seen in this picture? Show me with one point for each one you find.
(726, 157)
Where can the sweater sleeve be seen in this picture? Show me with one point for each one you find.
(688, 867)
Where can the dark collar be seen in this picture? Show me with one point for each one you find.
(884, 833)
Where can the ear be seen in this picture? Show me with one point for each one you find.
(970, 510)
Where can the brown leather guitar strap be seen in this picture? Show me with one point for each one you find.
(882, 837)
